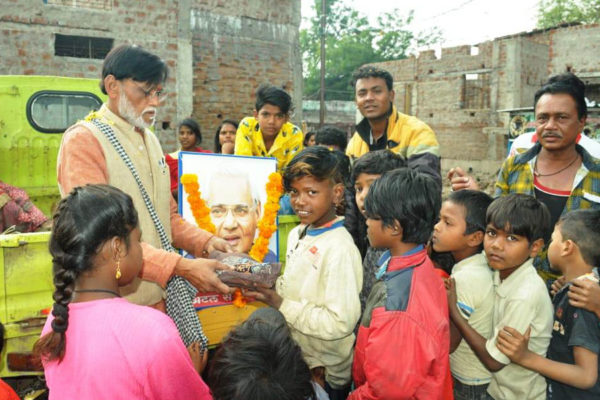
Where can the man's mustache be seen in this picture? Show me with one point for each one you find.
(551, 134)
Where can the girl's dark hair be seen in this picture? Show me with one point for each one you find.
(259, 360)
(318, 162)
(130, 61)
(85, 219)
(307, 137)
(409, 197)
(218, 147)
(522, 215)
(194, 127)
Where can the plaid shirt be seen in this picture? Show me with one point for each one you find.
(516, 176)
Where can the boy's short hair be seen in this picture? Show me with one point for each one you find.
(475, 204)
(409, 197)
(522, 215)
(318, 162)
(372, 72)
(377, 163)
(259, 360)
(583, 228)
(269, 94)
(332, 136)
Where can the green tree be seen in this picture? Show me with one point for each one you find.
(351, 41)
(556, 12)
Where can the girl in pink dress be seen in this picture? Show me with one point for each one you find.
(96, 345)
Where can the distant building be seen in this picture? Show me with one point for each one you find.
(460, 93)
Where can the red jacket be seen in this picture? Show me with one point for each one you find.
(404, 338)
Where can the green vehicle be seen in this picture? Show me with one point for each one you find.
(34, 112)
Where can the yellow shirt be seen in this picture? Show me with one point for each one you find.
(249, 142)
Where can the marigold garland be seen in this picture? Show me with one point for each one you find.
(266, 225)
(200, 210)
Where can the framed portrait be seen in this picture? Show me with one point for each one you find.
(234, 189)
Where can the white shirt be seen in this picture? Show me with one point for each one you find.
(475, 300)
(320, 287)
(521, 301)
(526, 141)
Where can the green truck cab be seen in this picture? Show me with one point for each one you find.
(34, 113)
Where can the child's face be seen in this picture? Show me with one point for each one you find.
(554, 248)
(449, 232)
(506, 251)
(314, 200)
(361, 186)
(131, 263)
(270, 119)
(380, 236)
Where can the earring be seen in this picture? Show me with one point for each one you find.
(118, 274)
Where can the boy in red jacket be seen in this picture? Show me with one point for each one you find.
(404, 338)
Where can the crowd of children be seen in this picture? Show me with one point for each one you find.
(484, 333)
(488, 331)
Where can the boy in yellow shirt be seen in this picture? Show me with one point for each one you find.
(269, 133)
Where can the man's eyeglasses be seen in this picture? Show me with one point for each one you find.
(161, 94)
(238, 210)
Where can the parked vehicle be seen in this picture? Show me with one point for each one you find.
(35, 111)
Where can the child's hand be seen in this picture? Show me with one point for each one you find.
(585, 294)
(513, 344)
(557, 285)
(452, 298)
(199, 357)
(266, 295)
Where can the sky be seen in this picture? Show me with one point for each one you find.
(463, 22)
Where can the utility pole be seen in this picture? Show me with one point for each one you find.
(322, 91)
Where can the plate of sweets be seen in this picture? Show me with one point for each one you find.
(247, 272)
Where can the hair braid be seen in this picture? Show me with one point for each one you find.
(84, 220)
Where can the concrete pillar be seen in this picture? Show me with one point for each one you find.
(185, 75)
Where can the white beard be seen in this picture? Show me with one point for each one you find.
(129, 114)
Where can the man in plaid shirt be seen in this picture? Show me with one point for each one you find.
(556, 170)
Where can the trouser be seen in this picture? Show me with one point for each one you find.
(470, 392)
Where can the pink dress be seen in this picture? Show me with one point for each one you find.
(119, 350)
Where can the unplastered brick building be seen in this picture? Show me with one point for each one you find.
(462, 93)
(218, 51)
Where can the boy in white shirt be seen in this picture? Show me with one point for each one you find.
(460, 231)
(517, 226)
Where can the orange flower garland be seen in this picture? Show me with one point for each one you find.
(266, 225)
(200, 210)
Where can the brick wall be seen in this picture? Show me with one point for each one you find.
(235, 49)
(214, 64)
(514, 68)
